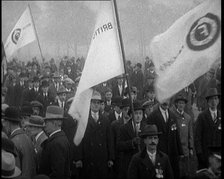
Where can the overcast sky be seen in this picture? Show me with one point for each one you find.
(66, 27)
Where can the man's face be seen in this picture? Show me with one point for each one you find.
(125, 112)
(95, 105)
(133, 96)
(36, 110)
(6, 126)
(30, 85)
(102, 106)
(165, 105)
(138, 115)
(45, 89)
(181, 105)
(120, 81)
(150, 94)
(32, 131)
(108, 96)
(62, 96)
(36, 84)
(49, 127)
(215, 164)
(117, 109)
(151, 142)
(213, 102)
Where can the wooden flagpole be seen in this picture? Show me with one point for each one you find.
(36, 33)
(124, 61)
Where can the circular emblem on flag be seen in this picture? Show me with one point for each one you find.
(204, 32)
(15, 35)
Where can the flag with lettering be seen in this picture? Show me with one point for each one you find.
(22, 34)
(187, 49)
(103, 62)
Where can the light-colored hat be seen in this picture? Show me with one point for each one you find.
(54, 113)
(69, 81)
(9, 168)
(96, 96)
(35, 121)
(62, 89)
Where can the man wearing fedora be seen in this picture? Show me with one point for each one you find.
(185, 125)
(169, 141)
(22, 142)
(55, 85)
(208, 128)
(150, 163)
(34, 128)
(128, 141)
(56, 154)
(95, 152)
(60, 100)
(115, 127)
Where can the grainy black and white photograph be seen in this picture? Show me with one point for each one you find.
(117, 89)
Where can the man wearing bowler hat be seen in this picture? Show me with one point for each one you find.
(95, 152)
(116, 113)
(208, 128)
(129, 142)
(150, 163)
(34, 128)
(55, 157)
(22, 142)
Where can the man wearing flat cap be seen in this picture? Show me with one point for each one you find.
(208, 128)
(95, 152)
(150, 163)
(22, 142)
(56, 154)
(129, 142)
(215, 164)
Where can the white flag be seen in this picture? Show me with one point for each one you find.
(22, 34)
(103, 62)
(187, 49)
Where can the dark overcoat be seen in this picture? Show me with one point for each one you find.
(96, 148)
(55, 157)
(141, 167)
(169, 140)
(125, 145)
(207, 133)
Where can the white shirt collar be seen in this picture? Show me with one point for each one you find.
(211, 111)
(95, 114)
(150, 154)
(54, 132)
(15, 130)
(38, 135)
(117, 115)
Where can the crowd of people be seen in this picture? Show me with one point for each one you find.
(154, 140)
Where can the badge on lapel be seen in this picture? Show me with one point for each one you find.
(173, 127)
(159, 171)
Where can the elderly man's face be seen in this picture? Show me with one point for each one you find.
(151, 142)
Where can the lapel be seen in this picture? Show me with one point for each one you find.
(146, 160)
(130, 129)
(161, 120)
(210, 119)
(40, 139)
(18, 132)
(58, 134)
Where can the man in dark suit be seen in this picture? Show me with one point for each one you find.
(118, 88)
(10, 97)
(169, 141)
(55, 158)
(208, 128)
(45, 97)
(108, 100)
(61, 97)
(116, 113)
(95, 152)
(36, 87)
(128, 141)
(28, 95)
(150, 163)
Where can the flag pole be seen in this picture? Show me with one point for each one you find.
(36, 33)
(124, 61)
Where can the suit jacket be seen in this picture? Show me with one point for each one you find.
(96, 148)
(10, 97)
(207, 132)
(55, 157)
(169, 140)
(125, 145)
(115, 91)
(112, 116)
(185, 125)
(26, 152)
(141, 166)
(45, 101)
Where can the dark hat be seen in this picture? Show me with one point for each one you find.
(12, 114)
(212, 92)
(36, 104)
(139, 65)
(9, 146)
(137, 106)
(125, 103)
(54, 113)
(35, 121)
(149, 130)
(116, 101)
(35, 79)
(9, 168)
(45, 83)
(181, 97)
(108, 90)
(215, 151)
(61, 90)
(26, 110)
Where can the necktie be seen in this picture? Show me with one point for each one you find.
(166, 116)
(95, 117)
(214, 117)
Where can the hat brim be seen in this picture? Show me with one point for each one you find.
(16, 173)
(143, 135)
(181, 99)
(34, 125)
(207, 97)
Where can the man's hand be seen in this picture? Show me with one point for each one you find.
(78, 164)
(110, 163)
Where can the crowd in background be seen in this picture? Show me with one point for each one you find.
(38, 132)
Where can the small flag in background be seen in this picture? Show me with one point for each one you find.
(103, 62)
(22, 34)
(187, 49)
